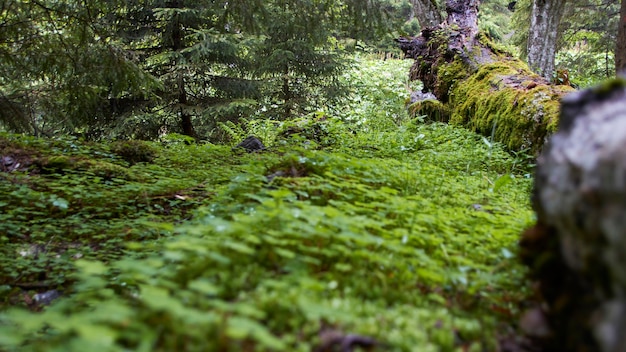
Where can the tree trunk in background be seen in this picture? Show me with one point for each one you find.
(178, 44)
(287, 94)
(543, 35)
(185, 118)
(576, 252)
(427, 13)
(439, 45)
(620, 47)
(470, 81)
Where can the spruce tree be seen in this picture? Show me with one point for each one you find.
(61, 66)
(136, 68)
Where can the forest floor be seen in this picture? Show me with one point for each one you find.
(364, 227)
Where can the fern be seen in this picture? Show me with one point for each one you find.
(236, 132)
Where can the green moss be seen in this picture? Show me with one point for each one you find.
(105, 170)
(59, 161)
(484, 39)
(449, 74)
(57, 164)
(610, 85)
(434, 110)
(134, 151)
(490, 103)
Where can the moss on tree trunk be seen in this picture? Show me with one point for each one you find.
(480, 85)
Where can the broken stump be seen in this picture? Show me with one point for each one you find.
(577, 250)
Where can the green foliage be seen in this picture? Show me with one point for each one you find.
(140, 69)
(72, 200)
(134, 151)
(587, 38)
(379, 90)
(303, 53)
(495, 20)
(391, 228)
(61, 70)
(588, 41)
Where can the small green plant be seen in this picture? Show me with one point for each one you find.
(235, 132)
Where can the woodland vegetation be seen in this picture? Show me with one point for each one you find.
(129, 219)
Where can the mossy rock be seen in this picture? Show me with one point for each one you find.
(448, 75)
(485, 88)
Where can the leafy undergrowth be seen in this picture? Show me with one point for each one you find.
(373, 231)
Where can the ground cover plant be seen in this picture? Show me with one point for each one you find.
(357, 226)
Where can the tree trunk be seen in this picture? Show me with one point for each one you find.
(427, 13)
(287, 94)
(542, 37)
(468, 80)
(178, 44)
(576, 252)
(620, 48)
(185, 118)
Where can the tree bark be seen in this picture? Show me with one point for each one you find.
(576, 252)
(287, 96)
(620, 48)
(543, 35)
(472, 82)
(178, 44)
(427, 13)
(185, 118)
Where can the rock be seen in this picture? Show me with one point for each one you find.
(336, 340)
(7, 161)
(577, 250)
(421, 96)
(47, 297)
(251, 144)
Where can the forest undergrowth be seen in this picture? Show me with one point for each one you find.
(357, 226)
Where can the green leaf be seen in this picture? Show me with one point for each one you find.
(204, 286)
(238, 247)
(501, 182)
(240, 328)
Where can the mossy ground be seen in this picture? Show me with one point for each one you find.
(385, 227)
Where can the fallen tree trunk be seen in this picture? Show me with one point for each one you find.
(478, 85)
(576, 252)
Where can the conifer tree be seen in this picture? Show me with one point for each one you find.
(61, 67)
(138, 68)
(297, 58)
(198, 50)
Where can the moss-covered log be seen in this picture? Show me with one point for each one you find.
(480, 85)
